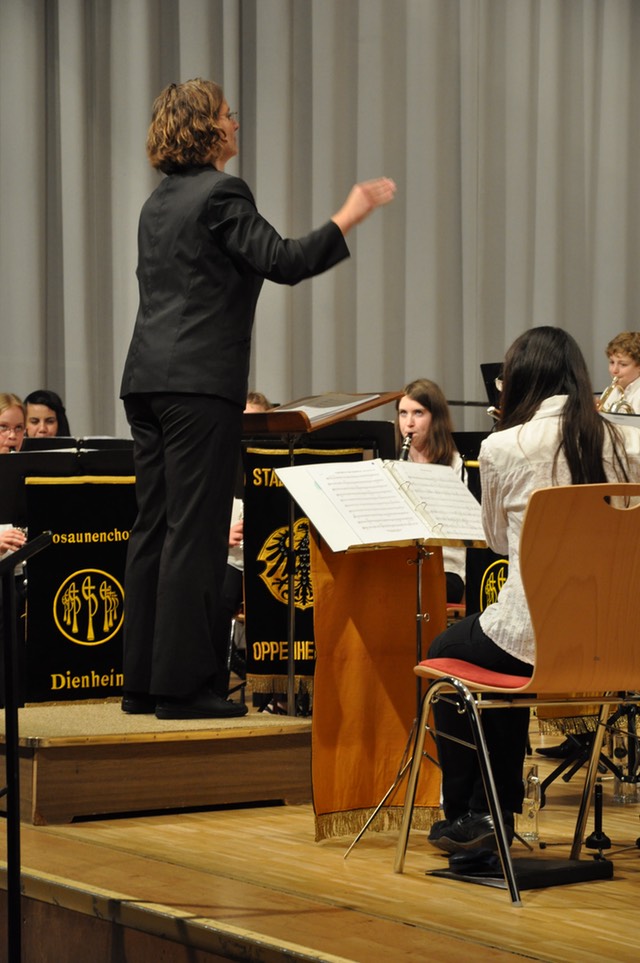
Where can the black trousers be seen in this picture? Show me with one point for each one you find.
(185, 455)
(506, 730)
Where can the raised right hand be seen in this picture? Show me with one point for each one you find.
(362, 200)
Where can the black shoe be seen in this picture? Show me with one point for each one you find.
(472, 831)
(437, 829)
(205, 704)
(138, 703)
(570, 747)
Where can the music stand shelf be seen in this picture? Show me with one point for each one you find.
(316, 411)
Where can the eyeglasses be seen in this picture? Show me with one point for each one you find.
(7, 429)
(231, 115)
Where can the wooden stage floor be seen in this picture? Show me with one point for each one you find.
(248, 882)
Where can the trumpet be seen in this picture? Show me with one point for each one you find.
(618, 407)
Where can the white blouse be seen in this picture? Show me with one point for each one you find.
(512, 464)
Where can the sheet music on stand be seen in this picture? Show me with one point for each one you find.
(377, 504)
(289, 421)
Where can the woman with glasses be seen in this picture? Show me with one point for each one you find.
(12, 427)
(203, 254)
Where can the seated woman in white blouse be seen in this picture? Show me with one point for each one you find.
(548, 433)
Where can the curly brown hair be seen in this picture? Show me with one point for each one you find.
(183, 130)
(628, 342)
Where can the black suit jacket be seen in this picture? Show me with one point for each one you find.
(203, 253)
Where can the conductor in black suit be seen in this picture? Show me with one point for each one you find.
(203, 254)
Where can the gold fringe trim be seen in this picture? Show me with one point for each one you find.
(350, 822)
(577, 725)
(570, 726)
(279, 683)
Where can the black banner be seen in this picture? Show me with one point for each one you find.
(486, 571)
(75, 594)
(486, 574)
(266, 570)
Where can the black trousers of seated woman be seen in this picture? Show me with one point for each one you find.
(506, 730)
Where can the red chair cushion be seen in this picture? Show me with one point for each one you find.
(469, 672)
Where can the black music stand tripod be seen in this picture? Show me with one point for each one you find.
(11, 703)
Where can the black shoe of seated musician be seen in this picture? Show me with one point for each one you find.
(570, 747)
(472, 831)
(204, 704)
(138, 703)
(437, 829)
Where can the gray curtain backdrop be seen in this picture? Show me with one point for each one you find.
(511, 128)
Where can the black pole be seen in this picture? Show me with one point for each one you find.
(12, 769)
(12, 701)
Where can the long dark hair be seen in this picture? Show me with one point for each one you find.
(440, 445)
(49, 398)
(547, 361)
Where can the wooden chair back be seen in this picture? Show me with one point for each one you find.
(580, 567)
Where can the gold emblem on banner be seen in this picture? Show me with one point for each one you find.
(495, 575)
(89, 607)
(275, 575)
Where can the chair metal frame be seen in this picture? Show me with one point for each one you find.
(580, 588)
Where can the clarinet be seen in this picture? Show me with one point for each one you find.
(406, 445)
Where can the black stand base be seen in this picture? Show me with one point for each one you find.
(533, 873)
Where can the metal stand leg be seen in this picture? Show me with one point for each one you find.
(394, 785)
(589, 782)
(421, 554)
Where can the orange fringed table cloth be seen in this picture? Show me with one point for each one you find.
(365, 691)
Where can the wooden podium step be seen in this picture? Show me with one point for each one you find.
(91, 759)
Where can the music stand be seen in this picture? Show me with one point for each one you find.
(49, 443)
(290, 422)
(15, 467)
(11, 703)
(442, 512)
